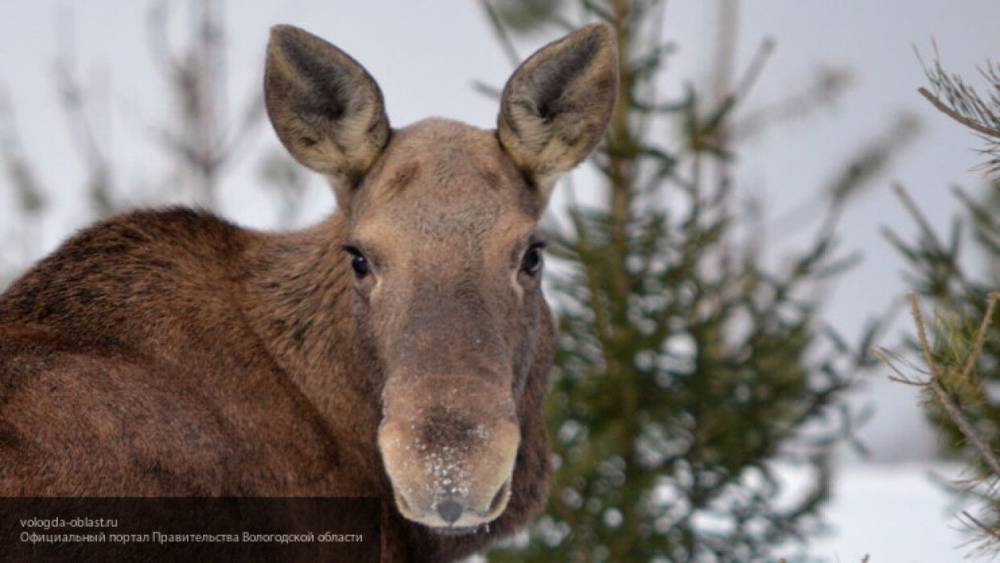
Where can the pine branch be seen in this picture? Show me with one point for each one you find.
(937, 376)
(935, 385)
(970, 123)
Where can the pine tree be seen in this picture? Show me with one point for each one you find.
(959, 347)
(686, 369)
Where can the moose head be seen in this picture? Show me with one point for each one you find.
(445, 252)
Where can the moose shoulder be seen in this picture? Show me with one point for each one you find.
(399, 349)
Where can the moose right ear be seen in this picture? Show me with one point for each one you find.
(326, 109)
(556, 106)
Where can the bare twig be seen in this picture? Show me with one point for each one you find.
(755, 69)
(871, 160)
(159, 45)
(501, 32)
(15, 164)
(485, 89)
(918, 216)
(826, 88)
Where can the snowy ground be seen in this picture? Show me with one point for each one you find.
(895, 513)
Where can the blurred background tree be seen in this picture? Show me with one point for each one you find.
(687, 370)
(959, 348)
(201, 137)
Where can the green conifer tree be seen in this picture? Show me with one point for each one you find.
(686, 369)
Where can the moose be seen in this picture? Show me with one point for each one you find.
(398, 349)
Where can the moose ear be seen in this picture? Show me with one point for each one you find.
(556, 106)
(326, 109)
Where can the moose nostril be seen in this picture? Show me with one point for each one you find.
(450, 511)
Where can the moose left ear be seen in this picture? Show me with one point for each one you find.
(556, 106)
(326, 109)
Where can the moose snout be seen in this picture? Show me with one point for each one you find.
(450, 461)
(451, 508)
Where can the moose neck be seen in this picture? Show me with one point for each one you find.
(298, 302)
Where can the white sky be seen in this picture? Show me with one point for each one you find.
(425, 54)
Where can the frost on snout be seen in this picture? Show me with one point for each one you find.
(449, 445)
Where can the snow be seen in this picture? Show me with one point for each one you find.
(895, 513)
(892, 512)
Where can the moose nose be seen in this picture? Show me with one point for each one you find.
(450, 511)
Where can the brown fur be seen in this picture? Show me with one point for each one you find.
(172, 353)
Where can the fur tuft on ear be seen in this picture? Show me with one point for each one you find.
(557, 104)
(326, 109)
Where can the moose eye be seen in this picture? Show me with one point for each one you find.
(531, 264)
(359, 263)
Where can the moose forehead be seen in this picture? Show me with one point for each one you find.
(444, 183)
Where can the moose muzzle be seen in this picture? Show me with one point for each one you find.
(449, 445)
